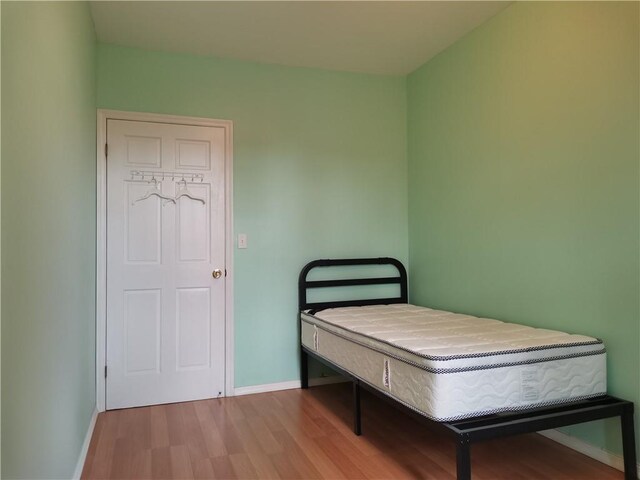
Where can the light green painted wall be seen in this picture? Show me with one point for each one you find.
(0, 249)
(48, 236)
(523, 143)
(319, 171)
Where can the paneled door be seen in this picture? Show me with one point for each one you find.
(165, 263)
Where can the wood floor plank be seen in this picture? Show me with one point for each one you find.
(180, 462)
(142, 461)
(296, 424)
(304, 446)
(203, 469)
(247, 407)
(426, 467)
(260, 430)
(105, 446)
(265, 469)
(394, 469)
(161, 463)
(222, 468)
(298, 457)
(250, 443)
(214, 442)
(194, 437)
(312, 427)
(243, 466)
(339, 458)
(122, 462)
(286, 470)
(272, 422)
(175, 424)
(159, 426)
(228, 431)
(297, 434)
(233, 410)
(93, 445)
(439, 452)
(265, 404)
(366, 464)
(341, 419)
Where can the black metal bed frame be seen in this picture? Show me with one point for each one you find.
(470, 430)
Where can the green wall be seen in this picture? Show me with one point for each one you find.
(319, 171)
(48, 236)
(523, 143)
(0, 250)
(0, 246)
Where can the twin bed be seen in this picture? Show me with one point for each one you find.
(477, 378)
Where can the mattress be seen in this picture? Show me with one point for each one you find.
(449, 366)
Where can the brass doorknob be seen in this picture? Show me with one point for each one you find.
(217, 273)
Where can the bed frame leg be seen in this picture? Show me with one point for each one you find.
(304, 369)
(357, 422)
(628, 443)
(463, 458)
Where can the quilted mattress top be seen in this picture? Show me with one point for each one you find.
(436, 338)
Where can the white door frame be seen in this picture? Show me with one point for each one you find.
(101, 237)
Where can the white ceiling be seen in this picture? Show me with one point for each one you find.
(387, 37)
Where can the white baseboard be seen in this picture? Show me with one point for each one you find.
(267, 387)
(274, 387)
(85, 446)
(603, 456)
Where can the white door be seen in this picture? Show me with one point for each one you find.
(165, 309)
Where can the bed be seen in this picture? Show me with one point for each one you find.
(477, 378)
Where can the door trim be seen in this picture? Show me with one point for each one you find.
(101, 238)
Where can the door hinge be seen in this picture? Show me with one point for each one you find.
(105, 371)
(106, 149)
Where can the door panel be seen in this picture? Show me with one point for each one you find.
(193, 154)
(142, 314)
(143, 223)
(165, 311)
(192, 322)
(143, 151)
(193, 225)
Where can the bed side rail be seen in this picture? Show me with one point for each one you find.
(304, 284)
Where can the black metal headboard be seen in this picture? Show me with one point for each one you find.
(304, 284)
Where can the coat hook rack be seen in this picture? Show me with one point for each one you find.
(150, 175)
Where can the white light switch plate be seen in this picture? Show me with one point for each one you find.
(242, 240)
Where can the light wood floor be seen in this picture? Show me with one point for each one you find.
(297, 434)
